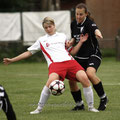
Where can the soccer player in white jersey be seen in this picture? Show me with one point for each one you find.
(60, 63)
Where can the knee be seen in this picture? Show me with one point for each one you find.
(90, 74)
(93, 77)
(73, 86)
(83, 79)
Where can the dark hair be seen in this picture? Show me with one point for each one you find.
(82, 5)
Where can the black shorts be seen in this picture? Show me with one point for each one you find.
(91, 62)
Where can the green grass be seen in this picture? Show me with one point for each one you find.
(108, 52)
(24, 82)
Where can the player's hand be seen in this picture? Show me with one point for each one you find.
(83, 38)
(69, 43)
(7, 61)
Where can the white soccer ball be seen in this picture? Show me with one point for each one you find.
(57, 87)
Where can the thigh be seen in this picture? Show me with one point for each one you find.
(58, 68)
(52, 77)
(83, 78)
(73, 68)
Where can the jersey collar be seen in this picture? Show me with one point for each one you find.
(52, 35)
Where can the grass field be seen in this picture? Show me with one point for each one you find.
(24, 82)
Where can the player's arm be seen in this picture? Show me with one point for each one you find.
(98, 34)
(24, 55)
(94, 30)
(76, 48)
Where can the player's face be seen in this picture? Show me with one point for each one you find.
(80, 14)
(49, 28)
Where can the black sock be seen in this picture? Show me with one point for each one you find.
(7, 107)
(99, 89)
(77, 96)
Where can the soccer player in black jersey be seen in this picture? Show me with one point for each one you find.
(88, 56)
(5, 105)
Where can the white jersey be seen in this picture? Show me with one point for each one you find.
(53, 48)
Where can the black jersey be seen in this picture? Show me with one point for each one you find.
(89, 47)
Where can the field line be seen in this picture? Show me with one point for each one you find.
(112, 84)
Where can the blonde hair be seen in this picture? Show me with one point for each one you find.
(48, 20)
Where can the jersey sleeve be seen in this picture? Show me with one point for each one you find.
(92, 27)
(35, 47)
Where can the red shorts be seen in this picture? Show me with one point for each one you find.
(66, 69)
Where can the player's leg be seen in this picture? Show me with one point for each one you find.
(97, 84)
(6, 105)
(45, 94)
(76, 93)
(87, 89)
(93, 64)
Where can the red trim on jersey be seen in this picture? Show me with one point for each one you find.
(69, 54)
(42, 48)
(70, 49)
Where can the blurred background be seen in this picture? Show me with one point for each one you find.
(20, 23)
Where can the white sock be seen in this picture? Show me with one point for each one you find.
(88, 93)
(44, 97)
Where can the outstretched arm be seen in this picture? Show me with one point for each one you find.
(76, 48)
(24, 55)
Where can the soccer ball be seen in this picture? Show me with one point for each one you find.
(57, 87)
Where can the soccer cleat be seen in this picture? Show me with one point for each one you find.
(103, 104)
(37, 111)
(92, 109)
(76, 108)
